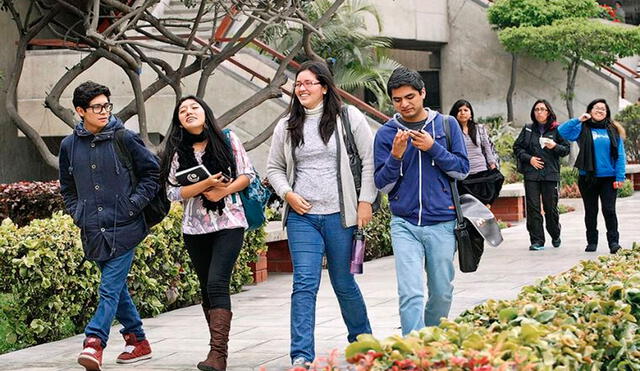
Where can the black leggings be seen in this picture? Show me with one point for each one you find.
(213, 256)
(592, 190)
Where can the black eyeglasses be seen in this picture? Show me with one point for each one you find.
(97, 108)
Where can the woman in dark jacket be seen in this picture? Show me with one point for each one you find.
(601, 162)
(538, 149)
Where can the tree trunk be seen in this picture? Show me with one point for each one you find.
(12, 89)
(572, 71)
(512, 87)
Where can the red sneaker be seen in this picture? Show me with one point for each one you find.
(134, 350)
(91, 356)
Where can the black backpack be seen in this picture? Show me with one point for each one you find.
(159, 205)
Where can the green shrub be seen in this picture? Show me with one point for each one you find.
(582, 319)
(568, 176)
(378, 232)
(630, 119)
(563, 209)
(53, 292)
(626, 190)
(510, 173)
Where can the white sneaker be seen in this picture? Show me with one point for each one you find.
(300, 362)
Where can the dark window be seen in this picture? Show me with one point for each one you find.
(432, 83)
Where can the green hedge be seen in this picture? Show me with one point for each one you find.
(378, 232)
(583, 319)
(47, 294)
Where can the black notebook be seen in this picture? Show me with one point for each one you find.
(192, 175)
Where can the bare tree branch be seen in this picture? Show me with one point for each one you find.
(52, 100)
(129, 110)
(308, 49)
(12, 88)
(270, 91)
(16, 17)
(262, 137)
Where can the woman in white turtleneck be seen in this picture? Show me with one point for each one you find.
(308, 167)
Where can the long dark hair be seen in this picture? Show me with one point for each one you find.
(608, 121)
(331, 105)
(217, 149)
(600, 100)
(471, 125)
(551, 118)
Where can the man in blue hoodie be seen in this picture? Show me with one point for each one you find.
(99, 194)
(413, 164)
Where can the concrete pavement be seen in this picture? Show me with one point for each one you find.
(260, 327)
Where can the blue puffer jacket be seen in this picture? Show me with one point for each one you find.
(98, 193)
(418, 185)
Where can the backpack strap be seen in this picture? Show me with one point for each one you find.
(124, 155)
(527, 134)
(227, 139)
(349, 141)
(446, 122)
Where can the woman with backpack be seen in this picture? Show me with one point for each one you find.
(214, 220)
(484, 181)
(538, 149)
(602, 166)
(308, 167)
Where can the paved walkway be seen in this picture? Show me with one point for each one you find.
(260, 328)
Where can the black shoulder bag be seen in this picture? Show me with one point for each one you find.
(469, 242)
(159, 205)
(355, 163)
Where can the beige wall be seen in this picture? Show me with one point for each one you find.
(413, 19)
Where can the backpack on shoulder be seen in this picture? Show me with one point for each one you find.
(355, 163)
(254, 198)
(159, 206)
(527, 140)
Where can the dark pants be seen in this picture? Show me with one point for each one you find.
(213, 256)
(592, 190)
(548, 191)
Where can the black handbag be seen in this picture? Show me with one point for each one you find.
(469, 243)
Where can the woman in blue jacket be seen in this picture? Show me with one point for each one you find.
(601, 162)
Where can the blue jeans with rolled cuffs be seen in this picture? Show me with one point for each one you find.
(310, 237)
(115, 301)
(416, 249)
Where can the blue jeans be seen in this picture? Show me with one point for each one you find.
(115, 301)
(430, 248)
(310, 237)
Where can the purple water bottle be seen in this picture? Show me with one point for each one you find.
(357, 251)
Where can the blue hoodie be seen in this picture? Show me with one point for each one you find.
(604, 165)
(98, 193)
(418, 185)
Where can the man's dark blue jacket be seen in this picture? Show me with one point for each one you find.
(418, 184)
(98, 192)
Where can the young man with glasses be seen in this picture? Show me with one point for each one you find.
(99, 195)
(413, 164)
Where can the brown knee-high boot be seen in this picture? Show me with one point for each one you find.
(219, 326)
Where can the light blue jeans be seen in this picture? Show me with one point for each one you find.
(430, 248)
(115, 301)
(310, 237)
